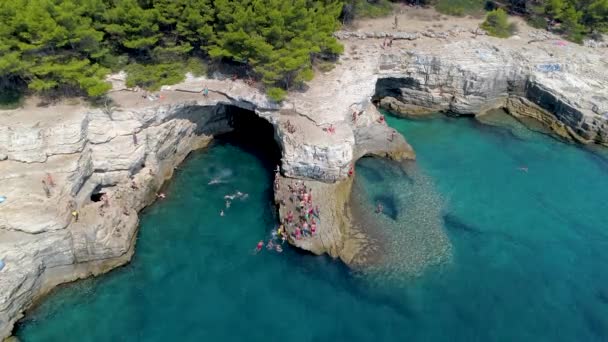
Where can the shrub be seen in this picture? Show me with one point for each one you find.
(496, 24)
(325, 66)
(460, 7)
(196, 67)
(153, 76)
(276, 94)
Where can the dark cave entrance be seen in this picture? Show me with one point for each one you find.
(252, 133)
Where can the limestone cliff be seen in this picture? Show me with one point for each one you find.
(565, 89)
(125, 151)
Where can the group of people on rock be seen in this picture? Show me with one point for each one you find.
(304, 222)
(298, 223)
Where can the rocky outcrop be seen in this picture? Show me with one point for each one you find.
(125, 151)
(566, 90)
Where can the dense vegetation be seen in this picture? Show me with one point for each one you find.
(573, 18)
(497, 25)
(69, 46)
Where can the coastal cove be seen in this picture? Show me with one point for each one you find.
(489, 230)
(522, 266)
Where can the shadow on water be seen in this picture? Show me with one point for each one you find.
(454, 223)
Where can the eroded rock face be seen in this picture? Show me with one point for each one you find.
(126, 156)
(471, 77)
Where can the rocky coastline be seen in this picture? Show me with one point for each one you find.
(128, 148)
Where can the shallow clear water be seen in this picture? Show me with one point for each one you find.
(527, 253)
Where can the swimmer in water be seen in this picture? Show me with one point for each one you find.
(379, 208)
(258, 248)
(215, 181)
(222, 212)
(278, 248)
(523, 168)
(228, 204)
(270, 245)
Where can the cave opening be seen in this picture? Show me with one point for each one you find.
(96, 196)
(252, 133)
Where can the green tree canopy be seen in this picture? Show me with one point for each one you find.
(70, 45)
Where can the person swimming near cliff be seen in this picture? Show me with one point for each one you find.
(259, 246)
(237, 195)
(379, 208)
(228, 204)
(270, 245)
(216, 180)
(523, 169)
(278, 248)
(222, 213)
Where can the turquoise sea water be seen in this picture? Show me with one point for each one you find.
(524, 257)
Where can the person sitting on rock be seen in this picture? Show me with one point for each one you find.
(46, 189)
(331, 129)
(50, 180)
(290, 216)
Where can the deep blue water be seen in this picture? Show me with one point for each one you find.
(513, 255)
